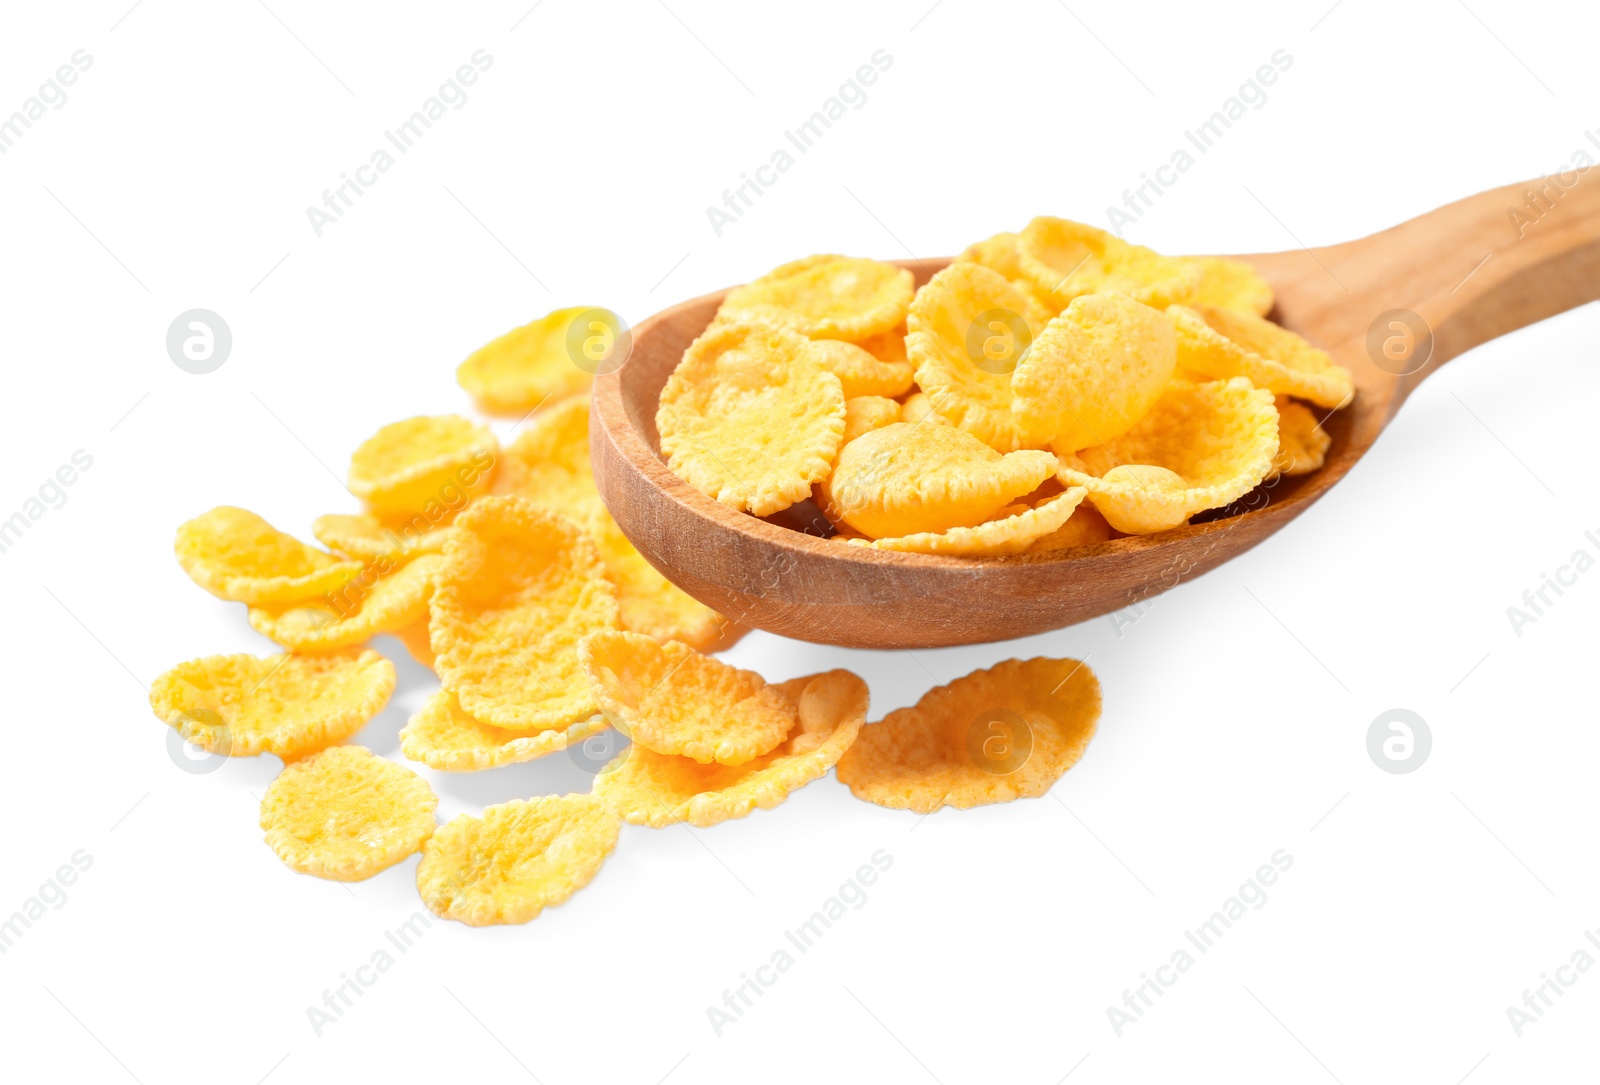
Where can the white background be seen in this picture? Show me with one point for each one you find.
(1418, 907)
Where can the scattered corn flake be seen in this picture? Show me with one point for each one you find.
(1093, 372)
(1008, 732)
(1084, 527)
(346, 815)
(519, 588)
(1200, 447)
(388, 596)
(968, 330)
(517, 859)
(999, 254)
(526, 367)
(235, 554)
(1232, 284)
(1223, 343)
(671, 699)
(548, 463)
(749, 418)
(1011, 531)
(289, 705)
(827, 297)
(651, 604)
(416, 639)
(1302, 442)
(444, 737)
(410, 465)
(860, 372)
(370, 538)
(1067, 259)
(863, 414)
(649, 788)
(905, 479)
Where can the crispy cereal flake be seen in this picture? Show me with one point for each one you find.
(649, 788)
(346, 815)
(520, 857)
(289, 705)
(671, 699)
(371, 539)
(1005, 733)
(905, 478)
(410, 465)
(860, 372)
(388, 596)
(235, 554)
(444, 737)
(863, 414)
(1223, 343)
(525, 367)
(1068, 259)
(1302, 442)
(827, 297)
(1013, 530)
(1200, 447)
(1232, 284)
(519, 588)
(1093, 372)
(750, 418)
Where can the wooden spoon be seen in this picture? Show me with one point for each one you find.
(1392, 307)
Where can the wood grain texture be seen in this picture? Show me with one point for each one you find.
(1471, 270)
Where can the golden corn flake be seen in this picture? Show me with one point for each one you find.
(548, 463)
(346, 815)
(386, 597)
(827, 297)
(863, 414)
(918, 408)
(1302, 442)
(1005, 733)
(525, 367)
(1093, 372)
(409, 465)
(1232, 284)
(371, 539)
(999, 254)
(1084, 527)
(1068, 259)
(904, 479)
(860, 372)
(1200, 447)
(235, 554)
(520, 857)
(649, 788)
(671, 699)
(1012, 531)
(289, 705)
(651, 604)
(519, 588)
(968, 330)
(750, 419)
(1222, 343)
(444, 737)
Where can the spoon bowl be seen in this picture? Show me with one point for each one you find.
(1391, 307)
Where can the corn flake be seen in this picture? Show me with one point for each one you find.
(289, 705)
(548, 463)
(827, 297)
(1093, 372)
(235, 554)
(1302, 442)
(750, 419)
(1223, 343)
(658, 790)
(1085, 527)
(863, 414)
(671, 699)
(517, 859)
(1232, 284)
(1068, 259)
(410, 465)
(385, 598)
(525, 367)
(1005, 733)
(346, 815)
(371, 539)
(968, 331)
(444, 737)
(1013, 530)
(1200, 447)
(860, 372)
(519, 588)
(905, 479)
